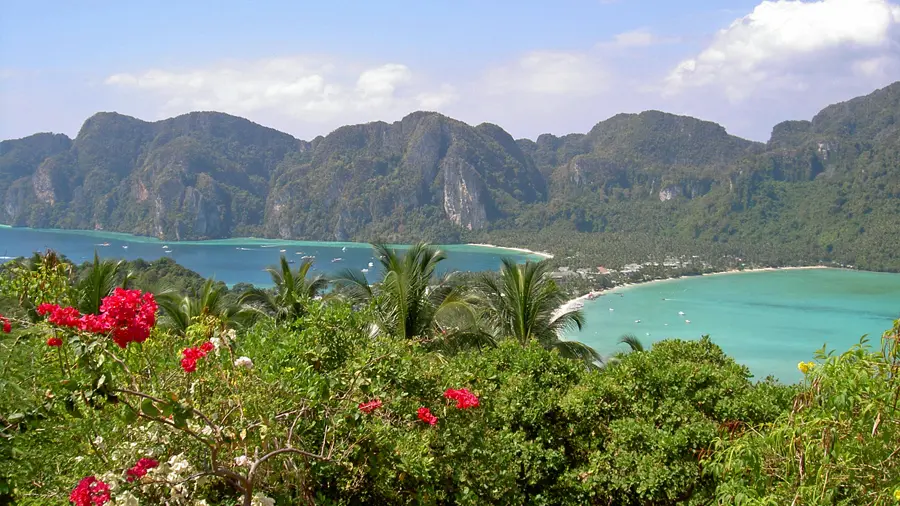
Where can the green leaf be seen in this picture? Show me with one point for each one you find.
(129, 415)
(149, 409)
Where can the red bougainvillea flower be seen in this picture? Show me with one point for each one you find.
(426, 416)
(189, 364)
(140, 469)
(4, 323)
(368, 407)
(128, 314)
(54, 342)
(131, 313)
(193, 354)
(90, 492)
(464, 398)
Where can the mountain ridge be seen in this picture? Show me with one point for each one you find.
(428, 176)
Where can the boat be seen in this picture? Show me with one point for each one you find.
(333, 260)
(165, 246)
(681, 313)
(282, 250)
(168, 251)
(125, 247)
(371, 264)
(344, 248)
(687, 321)
(298, 253)
(365, 271)
(611, 309)
(102, 244)
(637, 321)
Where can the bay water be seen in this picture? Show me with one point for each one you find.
(239, 260)
(767, 320)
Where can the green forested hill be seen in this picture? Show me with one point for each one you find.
(635, 186)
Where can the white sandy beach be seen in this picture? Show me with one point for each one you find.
(571, 304)
(520, 250)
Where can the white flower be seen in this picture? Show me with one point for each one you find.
(98, 442)
(217, 343)
(243, 461)
(260, 500)
(244, 362)
(206, 431)
(126, 499)
(229, 336)
(179, 463)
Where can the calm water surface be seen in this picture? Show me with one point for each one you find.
(231, 260)
(768, 321)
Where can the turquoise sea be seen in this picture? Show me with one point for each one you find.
(231, 260)
(767, 320)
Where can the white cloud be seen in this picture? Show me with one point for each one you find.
(793, 45)
(549, 73)
(293, 88)
(641, 37)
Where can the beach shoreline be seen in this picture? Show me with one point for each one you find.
(542, 254)
(580, 300)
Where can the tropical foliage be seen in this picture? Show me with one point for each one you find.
(111, 407)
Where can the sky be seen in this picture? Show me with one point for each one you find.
(530, 66)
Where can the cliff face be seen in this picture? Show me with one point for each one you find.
(389, 175)
(209, 175)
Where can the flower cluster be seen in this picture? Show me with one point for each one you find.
(464, 398)
(425, 415)
(244, 362)
(368, 407)
(4, 323)
(54, 342)
(140, 469)
(127, 314)
(805, 366)
(192, 355)
(90, 492)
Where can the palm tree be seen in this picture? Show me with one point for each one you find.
(179, 312)
(99, 281)
(634, 344)
(412, 302)
(292, 292)
(525, 304)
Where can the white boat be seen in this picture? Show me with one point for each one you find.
(371, 264)
(611, 309)
(333, 260)
(637, 321)
(681, 313)
(344, 248)
(165, 246)
(365, 271)
(687, 321)
(299, 253)
(282, 250)
(168, 251)
(124, 247)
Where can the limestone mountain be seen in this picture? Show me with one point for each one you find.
(825, 188)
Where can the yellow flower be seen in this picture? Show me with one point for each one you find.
(803, 367)
(897, 494)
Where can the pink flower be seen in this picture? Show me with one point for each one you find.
(90, 492)
(189, 364)
(368, 407)
(425, 415)
(464, 398)
(207, 347)
(54, 342)
(5, 324)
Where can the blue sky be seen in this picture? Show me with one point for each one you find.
(531, 67)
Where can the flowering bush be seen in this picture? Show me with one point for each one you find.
(139, 470)
(90, 492)
(425, 415)
(128, 315)
(464, 398)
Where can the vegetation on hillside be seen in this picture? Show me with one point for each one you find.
(308, 405)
